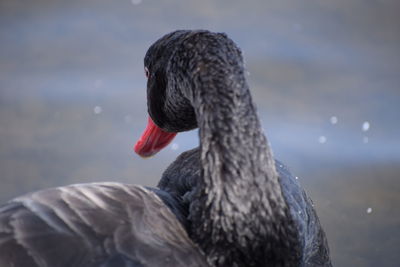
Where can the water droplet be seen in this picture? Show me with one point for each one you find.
(174, 146)
(136, 2)
(369, 210)
(365, 126)
(127, 119)
(333, 119)
(97, 110)
(322, 139)
(98, 83)
(365, 140)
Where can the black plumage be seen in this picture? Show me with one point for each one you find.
(181, 179)
(92, 225)
(242, 209)
(237, 204)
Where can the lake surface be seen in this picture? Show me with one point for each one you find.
(324, 75)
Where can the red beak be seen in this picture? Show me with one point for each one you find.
(152, 140)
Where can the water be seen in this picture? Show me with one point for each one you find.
(324, 75)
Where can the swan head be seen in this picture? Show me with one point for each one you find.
(167, 67)
(169, 110)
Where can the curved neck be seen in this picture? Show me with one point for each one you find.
(235, 155)
(241, 216)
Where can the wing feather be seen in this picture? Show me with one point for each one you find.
(92, 225)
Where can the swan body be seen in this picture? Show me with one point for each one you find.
(226, 204)
(181, 179)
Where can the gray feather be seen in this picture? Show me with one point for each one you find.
(103, 224)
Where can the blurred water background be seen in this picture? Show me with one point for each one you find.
(324, 75)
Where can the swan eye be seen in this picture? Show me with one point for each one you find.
(146, 72)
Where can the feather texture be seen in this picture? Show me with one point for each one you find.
(181, 179)
(102, 224)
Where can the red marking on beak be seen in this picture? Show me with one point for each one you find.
(152, 140)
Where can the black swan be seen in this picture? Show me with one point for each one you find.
(243, 207)
(227, 195)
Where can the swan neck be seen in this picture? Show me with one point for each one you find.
(241, 202)
(235, 154)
